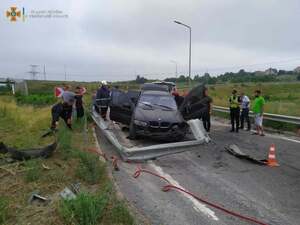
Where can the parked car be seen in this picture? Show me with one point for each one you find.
(152, 112)
(171, 85)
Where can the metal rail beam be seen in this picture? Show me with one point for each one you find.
(269, 116)
(147, 152)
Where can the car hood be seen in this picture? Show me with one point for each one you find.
(156, 114)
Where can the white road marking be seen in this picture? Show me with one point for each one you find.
(283, 138)
(198, 206)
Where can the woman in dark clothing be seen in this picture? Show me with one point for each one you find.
(79, 102)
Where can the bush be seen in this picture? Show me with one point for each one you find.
(3, 209)
(90, 169)
(86, 209)
(36, 99)
(33, 170)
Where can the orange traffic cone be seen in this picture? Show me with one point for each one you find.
(272, 158)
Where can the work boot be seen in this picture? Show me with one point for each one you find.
(236, 130)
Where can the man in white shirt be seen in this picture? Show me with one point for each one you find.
(245, 105)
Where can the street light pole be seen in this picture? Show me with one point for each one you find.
(190, 49)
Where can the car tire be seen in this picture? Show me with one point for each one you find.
(132, 130)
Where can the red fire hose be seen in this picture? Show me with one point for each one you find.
(169, 186)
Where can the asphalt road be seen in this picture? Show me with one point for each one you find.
(271, 195)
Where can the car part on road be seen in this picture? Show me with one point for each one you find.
(35, 196)
(67, 194)
(147, 152)
(25, 154)
(170, 186)
(236, 151)
(198, 130)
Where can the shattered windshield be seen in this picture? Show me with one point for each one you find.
(158, 101)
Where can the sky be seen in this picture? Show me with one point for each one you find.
(119, 39)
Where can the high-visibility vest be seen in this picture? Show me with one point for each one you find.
(234, 101)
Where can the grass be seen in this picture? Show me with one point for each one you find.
(65, 142)
(86, 209)
(281, 98)
(21, 126)
(36, 99)
(89, 168)
(120, 214)
(3, 209)
(33, 170)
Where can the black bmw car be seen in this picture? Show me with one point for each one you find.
(152, 112)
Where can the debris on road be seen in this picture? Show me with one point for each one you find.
(45, 167)
(25, 154)
(35, 196)
(67, 194)
(75, 187)
(237, 152)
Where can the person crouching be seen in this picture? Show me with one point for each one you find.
(63, 110)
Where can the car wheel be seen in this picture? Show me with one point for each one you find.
(132, 130)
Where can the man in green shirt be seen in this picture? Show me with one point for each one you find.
(258, 110)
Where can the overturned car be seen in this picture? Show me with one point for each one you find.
(153, 112)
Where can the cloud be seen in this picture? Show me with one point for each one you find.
(117, 39)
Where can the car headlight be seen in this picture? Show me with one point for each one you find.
(140, 123)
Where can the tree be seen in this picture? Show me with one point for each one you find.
(182, 78)
(140, 80)
(170, 79)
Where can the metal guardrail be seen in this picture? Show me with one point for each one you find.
(269, 116)
(152, 151)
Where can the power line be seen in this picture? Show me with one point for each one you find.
(33, 71)
(45, 72)
(65, 72)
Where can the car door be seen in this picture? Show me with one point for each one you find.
(193, 105)
(133, 96)
(121, 107)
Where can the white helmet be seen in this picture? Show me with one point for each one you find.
(104, 82)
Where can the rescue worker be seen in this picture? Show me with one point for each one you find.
(79, 102)
(207, 101)
(234, 106)
(258, 110)
(63, 110)
(245, 105)
(103, 98)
